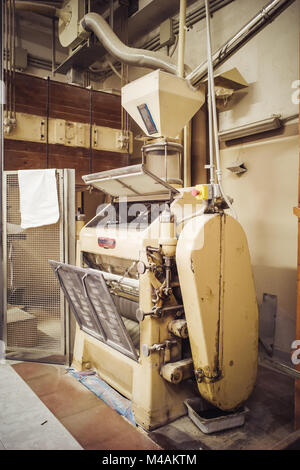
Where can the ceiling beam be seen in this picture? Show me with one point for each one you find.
(151, 16)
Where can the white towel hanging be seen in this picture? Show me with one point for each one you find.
(38, 198)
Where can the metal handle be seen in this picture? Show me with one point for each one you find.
(147, 350)
(159, 312)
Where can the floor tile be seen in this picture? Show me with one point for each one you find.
(103, 428)
(70, 397)
(92, 423)
(33, 371)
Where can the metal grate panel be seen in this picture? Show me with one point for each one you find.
(134, 180)
(93, 306)
(35, 306)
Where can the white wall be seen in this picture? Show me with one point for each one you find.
(269, 62)
(264, 198)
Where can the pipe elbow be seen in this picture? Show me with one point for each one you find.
(92, 22)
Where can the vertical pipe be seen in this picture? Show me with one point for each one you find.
(47, 122)
(181, 42)
(6, 57)
(53, 46)
(124, 69)
(187, 143)
(14, 61)
(211, 86)
(186, 134)
(10, 59)
(3, 41)
(297, 382)
(211, 144)
(166, 162)
(91, 131)
(212, 94)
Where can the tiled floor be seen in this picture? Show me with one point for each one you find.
(92, 423)
(96, 426)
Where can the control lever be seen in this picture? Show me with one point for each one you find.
(147, 350)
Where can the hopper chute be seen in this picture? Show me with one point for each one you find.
(161, 103)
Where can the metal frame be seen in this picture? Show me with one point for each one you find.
(66, 183)
(70, 246)
(1, 190)
(4, 257)
(133, 170)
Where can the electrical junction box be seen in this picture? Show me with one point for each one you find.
(166, 33)
(21, 58)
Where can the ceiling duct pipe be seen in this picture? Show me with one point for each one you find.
(92, 22)
(254, 26)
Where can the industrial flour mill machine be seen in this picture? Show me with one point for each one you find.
(163, 292)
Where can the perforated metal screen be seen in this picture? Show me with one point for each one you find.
(35, 306)
(93, 306)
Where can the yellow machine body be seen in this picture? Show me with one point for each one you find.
(220, 307)
(213, 272)
(155, 401)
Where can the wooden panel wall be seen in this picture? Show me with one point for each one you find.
(58, 100)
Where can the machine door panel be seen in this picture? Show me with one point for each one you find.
(220, 306)
(93, 306)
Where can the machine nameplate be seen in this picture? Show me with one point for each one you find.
(107, 243)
